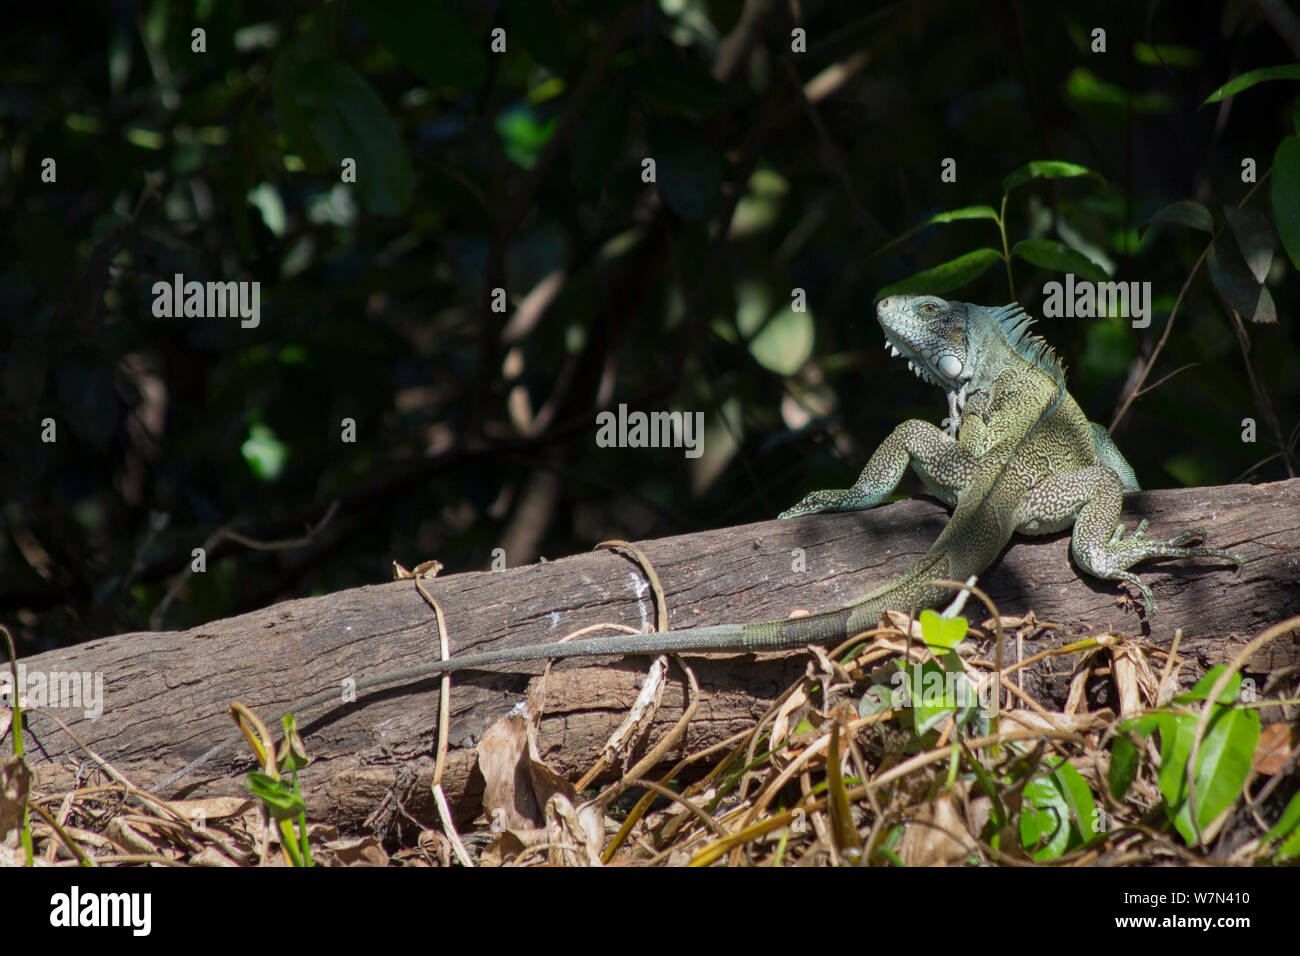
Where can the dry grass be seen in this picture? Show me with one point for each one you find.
(836, 773)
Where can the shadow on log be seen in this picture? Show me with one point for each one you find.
(165, 694)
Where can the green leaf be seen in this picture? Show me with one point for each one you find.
(1182, 213)
(785, 341)
(1176, 731)
(427, 38)
(1286, 195)
(1083, 808)
(349, 120)
(1108, 351)
(942, 632)
(1290, 848)
(1166, 54)
(1222, 764)
(1045, 169)
(524, 134)
(292, 754)
(939, 689)
(1254, 235)
(265, 453)
(1287, 830)
(1237, 285)
(952, 274)
(1089, 91)
(1058, 257)
(688, 170)
(1201, 689)
(1123, 766)
(961, 215)
(1244, 82)
(276, 794)
(953, 215)
(1143, 726)
(1044, 818)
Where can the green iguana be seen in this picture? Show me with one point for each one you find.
(1024, 459)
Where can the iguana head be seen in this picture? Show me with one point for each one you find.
(932, 334)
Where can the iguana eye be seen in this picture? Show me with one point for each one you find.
(928, 308)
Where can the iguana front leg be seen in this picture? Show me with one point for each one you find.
(1092, 499)
(943, 464)
(1112, 458)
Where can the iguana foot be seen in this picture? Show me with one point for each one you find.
(1122, 553)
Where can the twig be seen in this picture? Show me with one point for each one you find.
(1261, 396)
(1164, 337)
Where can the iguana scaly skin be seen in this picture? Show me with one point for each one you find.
(1024, 459)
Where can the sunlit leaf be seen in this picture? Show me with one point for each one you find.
(952, 215)
(1222, 764)
(1044, 169)
(264, 452)
(1088, 90)
(1083, 808)
(1247, 80)
(1044, 819)
(1287, 830)
(524, 134)
(1166, 54)
(785, 342)
(1201, 689)
(952, 274)
(942, 632)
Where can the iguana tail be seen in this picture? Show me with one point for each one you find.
(825, 627)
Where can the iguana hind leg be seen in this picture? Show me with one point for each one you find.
(943, 464)
(1092, 498)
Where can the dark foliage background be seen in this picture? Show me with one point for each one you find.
(522, 170)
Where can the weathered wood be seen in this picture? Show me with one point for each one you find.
(166, 693)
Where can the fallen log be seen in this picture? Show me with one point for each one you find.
(166, 694)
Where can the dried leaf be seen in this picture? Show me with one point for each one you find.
(936, 835)
(15, 781)
(1275, 749)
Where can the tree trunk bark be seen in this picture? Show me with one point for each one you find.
(165, 694)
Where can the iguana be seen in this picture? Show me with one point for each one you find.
(1025, 459)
